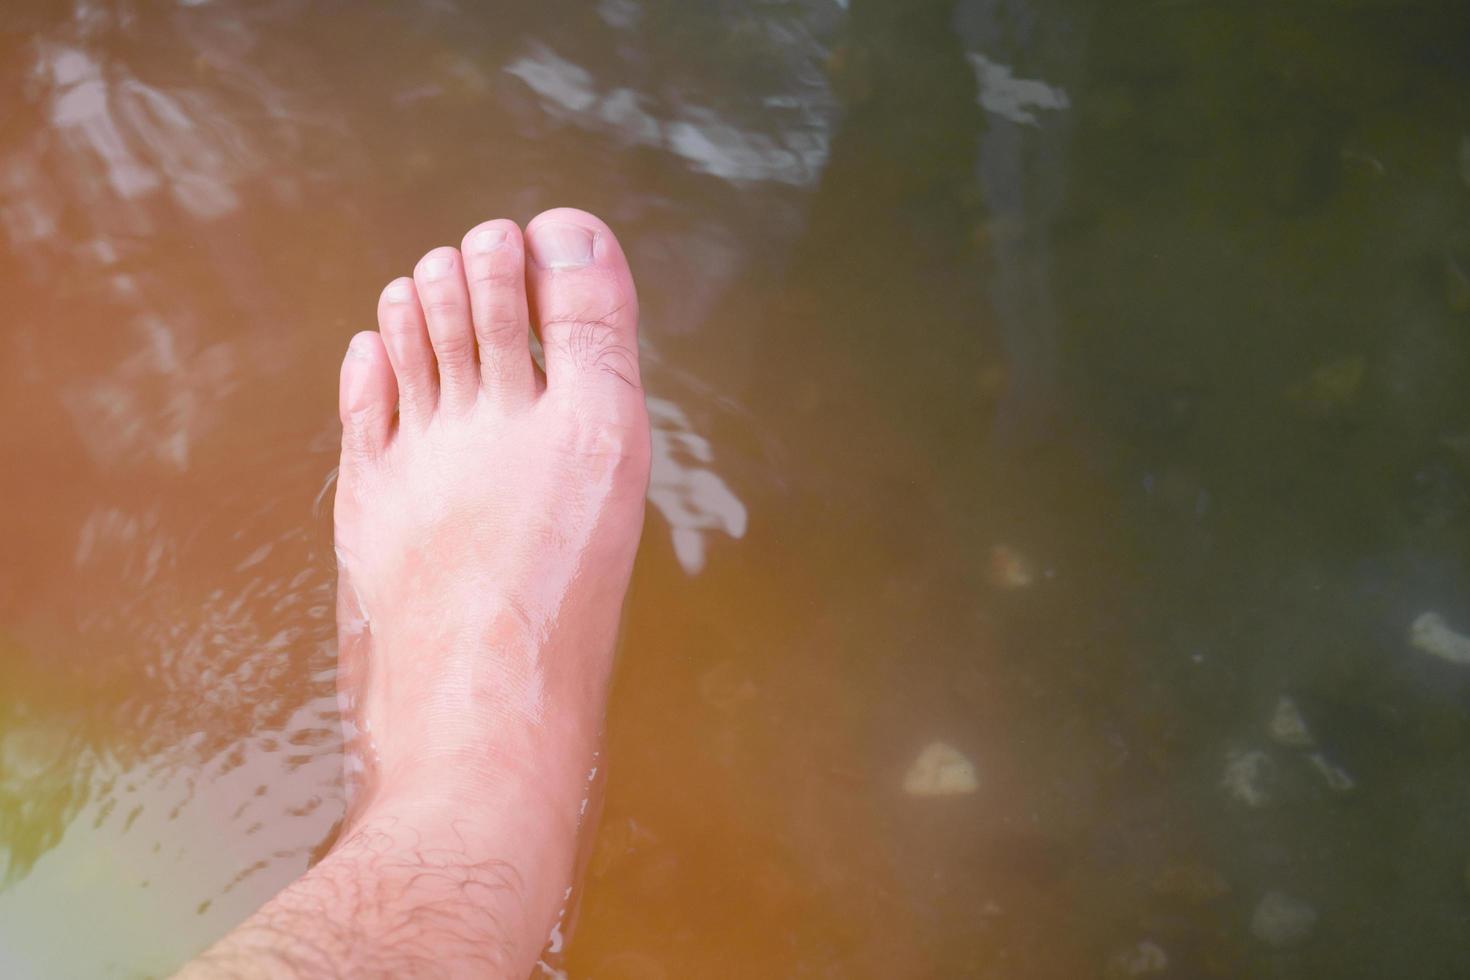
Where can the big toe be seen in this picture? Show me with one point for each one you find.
(584, 303)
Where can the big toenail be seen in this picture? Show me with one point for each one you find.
(487, 239)
(438, 266)
(556, 245)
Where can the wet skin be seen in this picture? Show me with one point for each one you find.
(487, 517)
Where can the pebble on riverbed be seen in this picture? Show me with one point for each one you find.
(1247, 776)
(1287, 726)
(1431, 634)
(940, 770)
(1281, 921)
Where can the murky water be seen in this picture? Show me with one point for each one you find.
(1079, 385)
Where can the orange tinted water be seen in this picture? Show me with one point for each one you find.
(976, 365)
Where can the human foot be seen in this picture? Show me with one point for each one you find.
(485, 537)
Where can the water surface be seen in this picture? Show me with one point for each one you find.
(1070, 383)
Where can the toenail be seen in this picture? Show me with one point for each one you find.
(557, 245)
(438, 266)
(487, 239)
(399, 292)
(358, 349)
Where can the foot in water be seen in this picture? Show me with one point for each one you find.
(487, 517)
(486, 535)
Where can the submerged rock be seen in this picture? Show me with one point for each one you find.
(1247, 776)
(1280, 920)
(1431, 634)
(1287, 726)
(940, 770)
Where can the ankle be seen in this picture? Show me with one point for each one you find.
(526, 833)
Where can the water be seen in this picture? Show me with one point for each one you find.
(1065, 382)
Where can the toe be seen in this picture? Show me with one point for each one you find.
(495, 266)
(440, 281)
(367, 397)
(585, 305)
(401, 320)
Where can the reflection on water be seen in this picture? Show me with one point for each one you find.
(1056, 561)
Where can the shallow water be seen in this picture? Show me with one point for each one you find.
(1067, 383)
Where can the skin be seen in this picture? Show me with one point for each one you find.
(485, 534)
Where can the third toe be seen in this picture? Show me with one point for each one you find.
(440, 281)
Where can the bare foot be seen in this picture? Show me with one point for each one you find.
(485, 536)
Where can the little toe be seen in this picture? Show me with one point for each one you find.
(406, 339)
(495, 267)
(440, 281)
(366, 398)
(585, 305)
